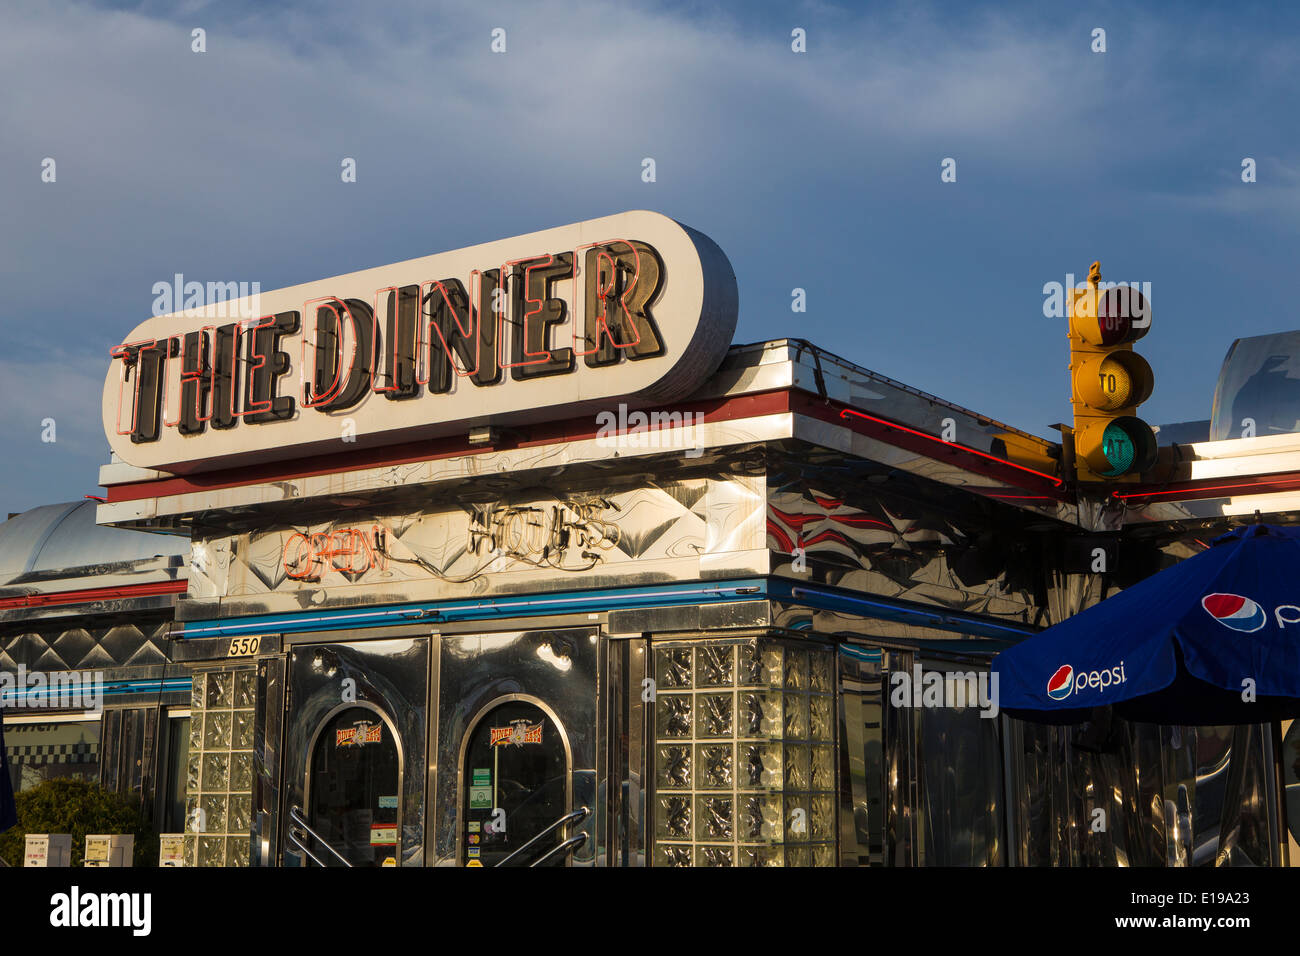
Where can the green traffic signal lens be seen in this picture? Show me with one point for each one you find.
(1118, 447)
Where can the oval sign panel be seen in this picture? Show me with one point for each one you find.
(554, 324)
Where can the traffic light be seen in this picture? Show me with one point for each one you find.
(1109, 380)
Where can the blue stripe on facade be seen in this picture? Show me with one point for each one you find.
(612, 599)
(833, 599)
(111, 688)
(573, 602)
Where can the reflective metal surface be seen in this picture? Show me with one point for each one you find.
(388, 677)
(1257, 387)
(268, 760)
(136, 640)
(960, 764)
(748, 370)
(301, 836)
(622, 784)
(1114, 793)
(554, 669)
(634, 530)
(574, 816)
(64, 537)
(863, 784)
(876, 530)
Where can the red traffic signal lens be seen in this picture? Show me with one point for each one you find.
(1123, 315)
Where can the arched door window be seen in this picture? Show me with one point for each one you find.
(516, 784)
(354, 784)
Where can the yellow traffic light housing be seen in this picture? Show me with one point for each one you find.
(1108, 381)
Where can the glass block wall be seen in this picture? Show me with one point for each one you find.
(744, 755)
(219, 776)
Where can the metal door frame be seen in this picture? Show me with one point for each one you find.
(472, 725)
(401, 763)
(288, 702)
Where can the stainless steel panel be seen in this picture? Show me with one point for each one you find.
(625, 730)
(960, 770)
(871, 528)
(555, 669)
(610, 696)
(862, 780)
(569, 463)
(268, 741)
(55, 646)
(493, 538)
(391, 678)
(748, 369)
(1115, 793)
(903, 842)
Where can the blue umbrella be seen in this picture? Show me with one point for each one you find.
(1213, 640)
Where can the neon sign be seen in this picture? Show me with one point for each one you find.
(524, 329)
(349, 551)
(568, 536)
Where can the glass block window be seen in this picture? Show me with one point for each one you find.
(744, 754)
(219, 774)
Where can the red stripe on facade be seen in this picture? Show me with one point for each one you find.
(793, 520)
(582, 429)
(931, 446)
(91, 595)
(456, 446)
(783, 540)
(1214, 488)
(861, 521)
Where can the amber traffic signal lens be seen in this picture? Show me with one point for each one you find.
(1108, 383)
(1115, 384)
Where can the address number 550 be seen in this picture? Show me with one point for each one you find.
(244, 646)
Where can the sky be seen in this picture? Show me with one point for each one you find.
(818, 170)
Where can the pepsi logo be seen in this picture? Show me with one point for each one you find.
(1234, 611)
(1061, 683)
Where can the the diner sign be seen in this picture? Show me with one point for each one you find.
(548, 325)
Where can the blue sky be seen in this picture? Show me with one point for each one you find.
(818, 170)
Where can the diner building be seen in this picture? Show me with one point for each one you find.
(510, 556)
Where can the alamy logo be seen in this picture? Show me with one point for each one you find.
(1234, 611)
(950, 689)
(80, 690)
(658, 430)
(237, 300)
(75, 908)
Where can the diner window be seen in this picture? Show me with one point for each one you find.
(49, 748)
(356, 780)
(961, 777)
(178, 754)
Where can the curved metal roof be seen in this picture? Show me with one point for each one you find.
(54, 537)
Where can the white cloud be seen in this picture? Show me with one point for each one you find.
(225, 165)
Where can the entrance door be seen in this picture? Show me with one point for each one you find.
(354, 786)
(517, 749)
(355, 754)
(516, 773)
